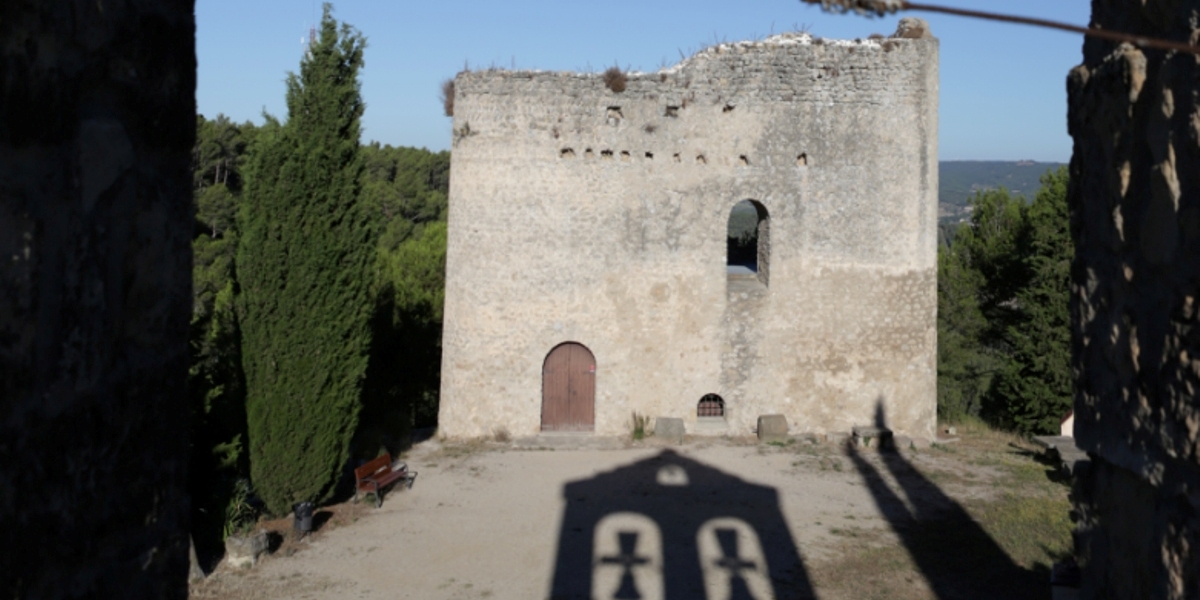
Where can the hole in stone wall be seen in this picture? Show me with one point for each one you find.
(728, 108)
(700, 160)
(650, 128)
(567, 153)
(672, 111)
(606, 154)
(742, 160)
(676, 157)
(710, 405)
(802, 160)
(614, 115)
(625, 155)
(588, 153)
(649, 156)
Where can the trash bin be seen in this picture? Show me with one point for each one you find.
(304, 516)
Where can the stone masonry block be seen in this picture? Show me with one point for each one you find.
(772, 428)
(670, 428)
(872, 437)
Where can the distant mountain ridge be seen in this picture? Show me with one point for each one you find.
(959, 180)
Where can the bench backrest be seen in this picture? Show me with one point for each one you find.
(383, 463)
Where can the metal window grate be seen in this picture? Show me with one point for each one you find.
(711, 405)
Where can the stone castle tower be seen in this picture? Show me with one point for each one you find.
(587, 273)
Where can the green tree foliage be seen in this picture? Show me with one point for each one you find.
(964, 365)
(1003, 328)
(304, 268)
(1032, 391)
(976, 285)
(405, 188)
(216, 388)
(406, 353)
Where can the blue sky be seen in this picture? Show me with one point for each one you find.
(1003, 87)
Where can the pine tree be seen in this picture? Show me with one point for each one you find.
(304, 270)
(1032, 391)
(979, 275)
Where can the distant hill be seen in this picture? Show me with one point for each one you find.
(958, 180)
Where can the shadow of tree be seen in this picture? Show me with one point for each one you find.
(672, 527)
(955, 554)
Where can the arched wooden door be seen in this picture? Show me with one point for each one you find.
(569, 389)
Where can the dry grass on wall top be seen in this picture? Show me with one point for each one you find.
(615, 80)
(447, 96)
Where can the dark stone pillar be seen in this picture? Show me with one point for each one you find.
(97, 119)
(1135, 216)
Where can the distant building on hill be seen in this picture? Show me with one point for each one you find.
(590, 273)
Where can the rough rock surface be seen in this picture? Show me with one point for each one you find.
(1135, 211)
(96, 128)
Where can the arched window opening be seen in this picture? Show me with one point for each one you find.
(748, 241)
(711, 405)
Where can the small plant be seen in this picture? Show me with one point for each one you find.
(447, 97)
(240, 514)
(615, 79)
(639, 425)
(500, 434)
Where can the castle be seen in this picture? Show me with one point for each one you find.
(588, 271)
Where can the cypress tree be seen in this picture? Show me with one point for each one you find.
(304, 270)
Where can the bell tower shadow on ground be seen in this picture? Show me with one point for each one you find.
(669, 527)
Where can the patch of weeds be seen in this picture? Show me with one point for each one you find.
(638, 424)
(944, 448)
(501, 435)
(780, 443)
(447, 97)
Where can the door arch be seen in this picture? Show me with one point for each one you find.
(569, 389)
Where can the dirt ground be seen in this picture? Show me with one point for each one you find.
(723, 518)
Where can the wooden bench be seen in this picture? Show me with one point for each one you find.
(378, 474)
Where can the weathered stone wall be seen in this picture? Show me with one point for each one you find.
(1135, 204)
(581, 214)
(97, 118)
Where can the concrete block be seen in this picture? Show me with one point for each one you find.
(872, 437)
(920, 443)
(837, 438)
(902, 442)
(669, 428)
(243, 551)
(772, 428)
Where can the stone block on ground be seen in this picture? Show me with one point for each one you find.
(772, 428)
(837, 438)
(669, 428)
(866, 436)
(902, 442)
(243, 551)
(920, 443)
